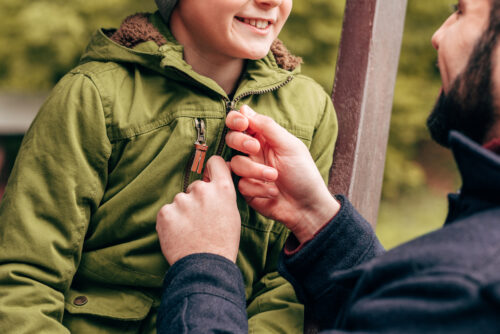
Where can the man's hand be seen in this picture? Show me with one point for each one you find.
(279, 178)
(205, 219)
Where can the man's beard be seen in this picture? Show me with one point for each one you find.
(469, 105)
(470, 113)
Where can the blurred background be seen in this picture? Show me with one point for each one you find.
(42, 39)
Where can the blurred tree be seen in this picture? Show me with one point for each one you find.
(313, 32)
(45, 38)
(417, 88)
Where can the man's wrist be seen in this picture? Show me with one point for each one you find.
(314, 219)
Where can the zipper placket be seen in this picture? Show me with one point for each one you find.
(197, 160)
(231, 104)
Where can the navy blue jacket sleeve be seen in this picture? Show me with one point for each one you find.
(203, 293)
(316, 271)
(426, 286)
(439, 283)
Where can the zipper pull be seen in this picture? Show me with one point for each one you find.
(200, 146)
(230, 105)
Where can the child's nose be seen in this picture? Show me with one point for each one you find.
(269, 3)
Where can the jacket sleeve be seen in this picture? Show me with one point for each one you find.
(274, 306)
(205, 294)
(349, 291)
(324, 139)
(320, 270)
(434, 302)
(57, 181)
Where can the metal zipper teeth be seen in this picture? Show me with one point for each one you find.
(230, 106)
(187, 173)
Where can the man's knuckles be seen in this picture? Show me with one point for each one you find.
(237, 141)
(163, 213)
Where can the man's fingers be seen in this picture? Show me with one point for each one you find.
(242, 142)
(236, 121)
(246, 167)
(272, 132)
(252, 188)
(190, 188)
(217, 170)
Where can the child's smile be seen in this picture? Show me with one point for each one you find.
(260, 24)
(225, 30)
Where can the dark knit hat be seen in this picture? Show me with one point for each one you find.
(165, 7)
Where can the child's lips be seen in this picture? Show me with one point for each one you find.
(259, 23)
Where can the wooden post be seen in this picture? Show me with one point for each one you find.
(3, 179)
(363, 93)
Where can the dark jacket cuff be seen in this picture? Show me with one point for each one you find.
(213, 288)
(345, 242)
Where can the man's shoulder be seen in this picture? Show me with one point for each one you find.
(469, 246)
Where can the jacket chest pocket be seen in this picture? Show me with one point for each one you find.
(157, 155)
(147, 169)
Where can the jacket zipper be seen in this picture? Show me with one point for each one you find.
(201, 147)
(197, 160)
(230, 105)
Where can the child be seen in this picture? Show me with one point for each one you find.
(119, 137)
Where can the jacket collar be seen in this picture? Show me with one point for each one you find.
(493, 145)
(480, 171)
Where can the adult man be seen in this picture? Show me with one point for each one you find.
(447, 281)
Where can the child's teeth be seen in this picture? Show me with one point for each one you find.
(261, 24)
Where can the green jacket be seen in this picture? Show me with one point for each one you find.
(111, 145)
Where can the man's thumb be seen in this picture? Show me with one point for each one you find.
(216, 170)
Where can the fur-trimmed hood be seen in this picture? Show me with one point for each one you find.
(137, 29)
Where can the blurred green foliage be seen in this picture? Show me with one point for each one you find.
(411, 216)
(42, 39)
(417, 88)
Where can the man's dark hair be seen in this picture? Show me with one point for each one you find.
(469, 106)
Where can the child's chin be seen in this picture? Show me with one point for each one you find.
(257, 55)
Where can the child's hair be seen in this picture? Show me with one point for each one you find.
(165, 7)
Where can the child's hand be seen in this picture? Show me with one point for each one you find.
(279, 178)
(205, 219)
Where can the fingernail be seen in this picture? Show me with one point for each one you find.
(273, 192)
(269, 174)
(247, 111)
(238, 123)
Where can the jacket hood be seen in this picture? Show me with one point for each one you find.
(141, 36)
